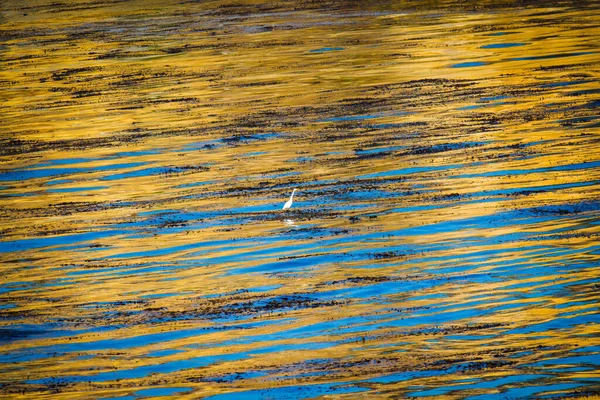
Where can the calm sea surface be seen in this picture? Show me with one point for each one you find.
(444, 239)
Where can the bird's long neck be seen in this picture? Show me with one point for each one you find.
(292, 196)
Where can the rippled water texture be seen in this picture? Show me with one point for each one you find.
(444, 240)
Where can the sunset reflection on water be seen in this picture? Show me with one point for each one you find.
(443, 239)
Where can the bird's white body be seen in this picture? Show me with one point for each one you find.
(288, 204)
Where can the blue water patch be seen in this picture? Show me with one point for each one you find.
(144, 271)
(59, 182)
(26, 285)
(24, 332)
(526, 392)
(147, 370)
(85, 357)
(326, 49)
(237, 376)
(26, 174)
(525, 190)
(18, 194)
(494, 98)
(502, 45)
(565, 167)
(578, 120)
(362, 117)
(469, 64)
(295, 264)
(403, 376)
(67, 161)
(583, 92)
(557, 323)
(41, 352)
(488, 102)
(587, 349)
(139, 341)
(282, 347)
(500, 33)
(159, 212)
(254, 154)
(563, 84)
(290, 392)
(34, 243)
(550, 56)
(506, 218)
(301, 160)
(206, 145)
(143, 172)
(169, 250)
(577, 312)
(586, 359)
(481, 384)
(267, 288)
(410, 170)
(245, 138)
(473, 107)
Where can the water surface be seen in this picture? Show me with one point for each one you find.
(444, 236)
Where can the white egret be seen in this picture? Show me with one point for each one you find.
(288, 204)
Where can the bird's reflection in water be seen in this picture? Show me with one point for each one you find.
(289, 222)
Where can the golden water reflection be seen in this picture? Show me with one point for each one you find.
(444, 237)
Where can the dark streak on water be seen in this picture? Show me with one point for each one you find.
(445, 236)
